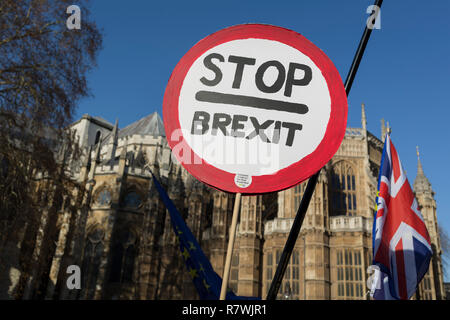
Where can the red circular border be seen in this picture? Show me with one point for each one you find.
(296, 172)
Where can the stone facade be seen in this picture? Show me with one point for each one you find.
(122, 237)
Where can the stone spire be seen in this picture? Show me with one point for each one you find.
(363, 117)
(383, 130)
(114, 140)
(421, 184)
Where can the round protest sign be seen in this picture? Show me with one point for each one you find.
(254, 108)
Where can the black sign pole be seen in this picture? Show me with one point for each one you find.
(301, 212)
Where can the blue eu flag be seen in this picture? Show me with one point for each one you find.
(206, 280)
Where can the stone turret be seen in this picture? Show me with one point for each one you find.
(421, 183)
(363, 117)
(427, 204)
(114, 141)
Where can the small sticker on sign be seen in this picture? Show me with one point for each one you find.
(243, 180)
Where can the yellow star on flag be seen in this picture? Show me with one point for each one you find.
(376, 204)
(185, 253)
(193, 273)
(207, 286)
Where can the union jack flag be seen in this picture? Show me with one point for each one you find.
(401, 243)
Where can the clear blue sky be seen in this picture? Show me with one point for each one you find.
(404, 76)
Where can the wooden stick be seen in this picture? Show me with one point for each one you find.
(232, 236)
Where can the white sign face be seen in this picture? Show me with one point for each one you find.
(243, 86)
(254, 108)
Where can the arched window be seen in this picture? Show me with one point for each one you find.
(350, 281)
(298, 193)
(123, 257)
(97, 137)
(103, 198)
(132, 200)
(290, 286)
(91, 262)
(343, 190)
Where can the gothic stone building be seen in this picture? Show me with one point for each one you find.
(126, 247)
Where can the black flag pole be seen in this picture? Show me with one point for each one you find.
(301, 212)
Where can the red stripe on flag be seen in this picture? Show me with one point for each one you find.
(401, 272)
(395, 162)
(384, 193)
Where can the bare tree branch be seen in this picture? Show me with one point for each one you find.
(43, 68)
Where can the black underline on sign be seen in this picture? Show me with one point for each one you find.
(247, 101)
